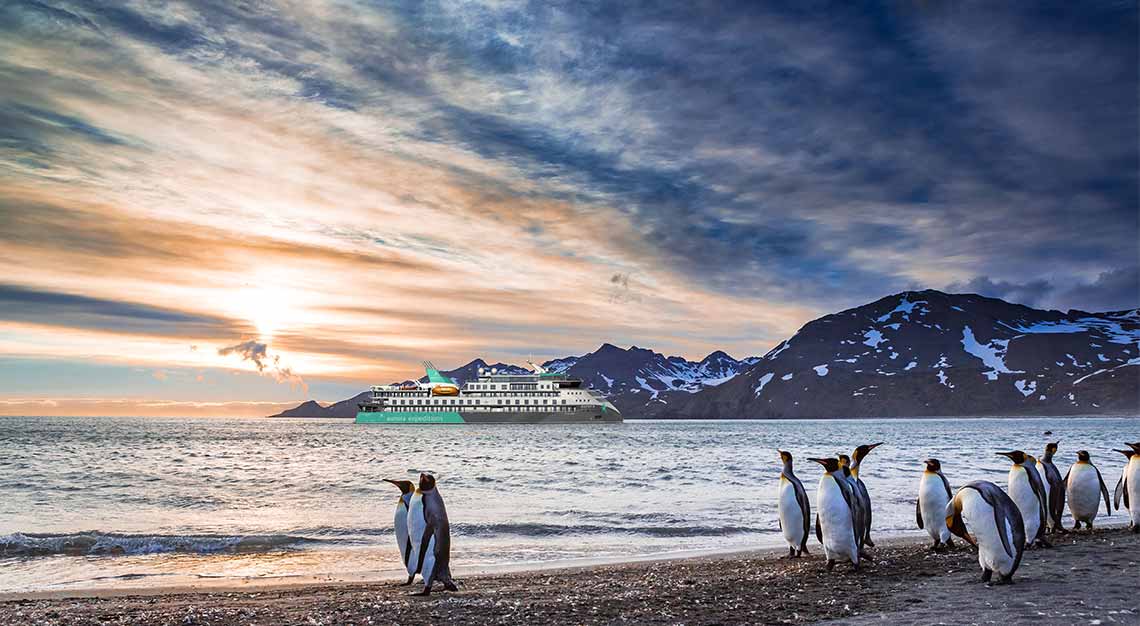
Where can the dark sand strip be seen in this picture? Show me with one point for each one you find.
(1087, 577)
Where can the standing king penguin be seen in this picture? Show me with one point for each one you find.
(1085, 487)
(430, 535)
(793, 508)
(861, 453)
(999, 533)
(1028, 491)
(400, 522)
(1129, 486)
(859, 515)
(835, 515)
(1054, 487)
(930, 509)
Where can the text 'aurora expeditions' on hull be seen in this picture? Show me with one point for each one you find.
(492, 398)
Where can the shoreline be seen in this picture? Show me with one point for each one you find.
(907, 583)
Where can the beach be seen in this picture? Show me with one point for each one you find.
(1088, 577)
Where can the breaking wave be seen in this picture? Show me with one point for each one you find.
(115, 544)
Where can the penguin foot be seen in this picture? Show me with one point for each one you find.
(863, 556)
(1005, 580)
(1042, 543)
(410, 579)
(987, 574)
(451, 586)
(1077, 526)
(830, 564)
(867, 541)
(426, 591)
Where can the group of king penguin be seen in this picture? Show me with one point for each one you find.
(1002, 523)
(423, 533)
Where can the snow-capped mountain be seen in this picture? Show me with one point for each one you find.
(634, 379)
(931, 353)
(638, 378)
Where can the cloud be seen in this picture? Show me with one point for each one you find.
(258, 354)
(1030, 294)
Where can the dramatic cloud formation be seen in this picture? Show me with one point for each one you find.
(365, 185)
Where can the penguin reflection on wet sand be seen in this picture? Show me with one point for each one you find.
(1028, 490)
(1128, 487)
(998, 530)
(930, 508)
(835, 513)
(400, 523)
(857, 461)
(1054, 488)
(793, 508)
(430, 536)
(1085, 488)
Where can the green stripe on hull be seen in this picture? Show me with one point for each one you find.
(409, 417)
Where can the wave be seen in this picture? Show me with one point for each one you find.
(115, 544)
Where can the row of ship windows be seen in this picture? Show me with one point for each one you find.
(470, 402)
(501, 386)
(412, 409)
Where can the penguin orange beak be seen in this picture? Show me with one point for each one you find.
(1008, 455)
(820, 461)
(1126, 453)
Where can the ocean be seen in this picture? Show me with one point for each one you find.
(133, 502)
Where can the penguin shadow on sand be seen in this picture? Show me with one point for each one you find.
(423, 533)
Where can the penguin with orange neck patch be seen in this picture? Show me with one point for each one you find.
(794, 509)
(1085, 488)
(857, 457)
(430, 534)
(400, 523)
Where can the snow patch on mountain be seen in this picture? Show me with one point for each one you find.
(992, 354)
(764, 380)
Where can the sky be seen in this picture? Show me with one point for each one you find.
(224, 208)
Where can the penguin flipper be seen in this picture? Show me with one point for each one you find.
(805, 513)
(946, 485)
(1103, 490)
(818, 530)
(918, 512)
(425, 545)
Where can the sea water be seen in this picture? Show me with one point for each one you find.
(128, 502)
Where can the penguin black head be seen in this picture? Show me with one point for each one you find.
(406, 486)
(844, 460)
(933, 465)
(1127, 453)
(1082, 456)
(785, 457)
(1017, 456)
(862, 451)
(829, 465)
(1135, 446)
(1051, 449)
(427, 482)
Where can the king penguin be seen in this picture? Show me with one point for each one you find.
(859, 516)
(930, 508)
(861, 453)
(835, 513)
(1085, 489)
(430, 535)
(400, 522)
(994, 518)
(1128, 486)
(1028, 491)
(1054, 487)
(793, 508)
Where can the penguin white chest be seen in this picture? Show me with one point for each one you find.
(400, 522)
(979, 518)
(932, 500)
(1132, 485)
(835, 522)
(1021, 492)
(791, 517)
(1083, 492)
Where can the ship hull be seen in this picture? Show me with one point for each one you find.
(594, 415)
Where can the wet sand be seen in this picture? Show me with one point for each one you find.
(1087, 578)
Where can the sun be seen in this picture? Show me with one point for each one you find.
(267, 308)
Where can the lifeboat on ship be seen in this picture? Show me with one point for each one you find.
(445, 390)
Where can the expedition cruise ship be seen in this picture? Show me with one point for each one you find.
(539, 398)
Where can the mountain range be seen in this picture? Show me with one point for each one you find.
(917, 353)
